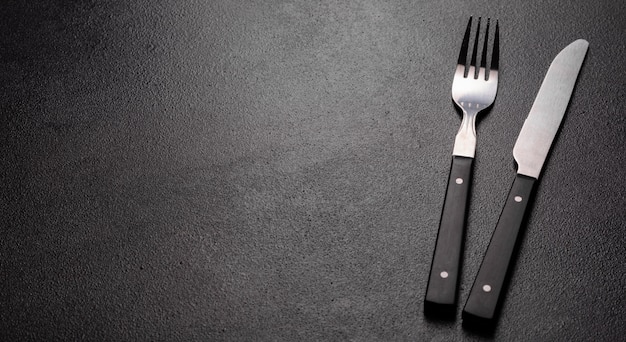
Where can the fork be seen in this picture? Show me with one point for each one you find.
(473, 90)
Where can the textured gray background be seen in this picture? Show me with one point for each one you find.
(275, 170)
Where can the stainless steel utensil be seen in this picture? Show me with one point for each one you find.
(530, 152)
(473, 90)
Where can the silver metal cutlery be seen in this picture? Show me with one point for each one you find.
(530, 152)
(474, 89)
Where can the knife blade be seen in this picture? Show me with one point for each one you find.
(530, 152)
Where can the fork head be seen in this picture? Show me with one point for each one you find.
(474, 87)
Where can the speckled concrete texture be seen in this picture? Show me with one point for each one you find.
(275, 170)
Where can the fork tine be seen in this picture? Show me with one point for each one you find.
(463, 54)
(475, 50)
(496, 49)
(483, 58)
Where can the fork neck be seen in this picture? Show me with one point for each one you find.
(465, 142)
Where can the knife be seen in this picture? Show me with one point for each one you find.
(530, 152)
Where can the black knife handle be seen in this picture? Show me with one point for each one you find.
(486, 293)
(441, 292)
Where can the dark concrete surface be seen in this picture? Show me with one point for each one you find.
(275, 170)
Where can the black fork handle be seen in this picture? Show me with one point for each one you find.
(441, 293)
